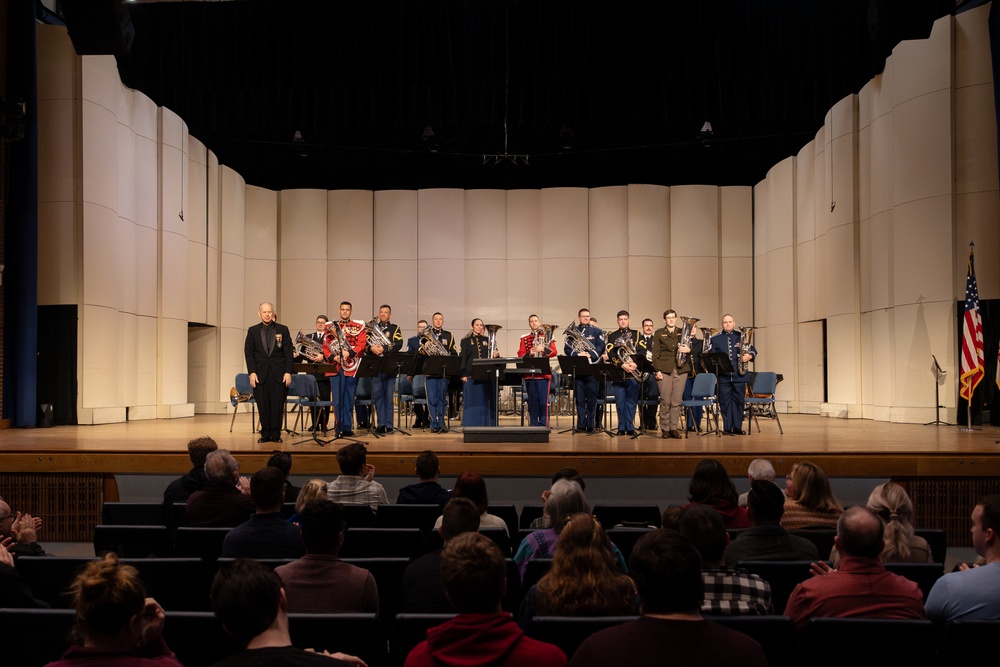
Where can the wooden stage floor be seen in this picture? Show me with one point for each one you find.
(845, 448)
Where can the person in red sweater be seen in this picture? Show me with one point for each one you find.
(475, 580)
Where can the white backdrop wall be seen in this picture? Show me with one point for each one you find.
(168, 253)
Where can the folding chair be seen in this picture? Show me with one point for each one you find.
(419, 394)
(243, 394)
(308, 397)
(761, 403)
(703, 395)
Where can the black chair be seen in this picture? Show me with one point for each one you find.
(354, 634)
(34, 637)
(625, 539)
(969, 642)
(613, 515)
(408, 630)
(178, 584)
(937, 540)
(132, 514)
(535, 570)
(500, 537)
(288, 510)
(358, 515)
(408, 516)
(868, 642)
(131, 541)
(509, 515)
(528, 514)
(177, 515)
(198, 542)
(198, 639)
(388, 574)
(821, 537)
(514, 594)
(775, 634)
(568, 632)
(924, 574)
(383, 543)
(782, 575)
(50, 576)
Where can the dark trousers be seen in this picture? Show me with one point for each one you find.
(732, 398)
(626, 398)
(382, 388)
(342, 388)
(537, 397)
(586, 390)
(270, 395)
(437, 394)
(652, 393)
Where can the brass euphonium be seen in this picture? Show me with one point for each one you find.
(429, 345)
(307, 347)
(491, 331)
(542, 337)
(626, 348)
(706, 343)
(577, 342)
(334, 341)
(687, 333)
(746, 342)
(376, 336)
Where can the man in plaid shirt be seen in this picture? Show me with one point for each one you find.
(355, 485)
(727, 592)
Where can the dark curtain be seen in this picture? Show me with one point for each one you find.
(20, 275)
(57, 361)
(987, 394)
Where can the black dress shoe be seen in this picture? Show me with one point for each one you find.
(348, 434)
(278, 439)
(664, 435)
(630, 433)
(435, 430)
(738, 431)
(676, 435)
(262, 439)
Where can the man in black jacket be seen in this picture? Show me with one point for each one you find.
(179, 490)
(268, 351)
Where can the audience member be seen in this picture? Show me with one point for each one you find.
(14, 590)
(356, 482)
(283, 462)
(19, 532)
(422, 590)
(225, 501)
(265, 534)
(710, 485)
(562, 473)
(475, 579)
(585, 579)
(116, 624)
(973, 594)
(427, 490)
(319, 582)
(472, 486)
(766, 539)
(809, 500)
(667, 573)
(314, 489)
(249, 600)
(671, 517)
(860, 587)
(179, 490)
(727, 591)
(892, 505)
(759, 469)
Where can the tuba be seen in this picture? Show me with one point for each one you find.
(706, 343)
(625, 349)
(376, 336)
(746, 342)
(687, 333)
(577, 342)
(542, 337)
(491, 331)
(430, 346)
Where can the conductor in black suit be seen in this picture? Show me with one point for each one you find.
(268, 350)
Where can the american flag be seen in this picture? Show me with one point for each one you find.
(972, 337)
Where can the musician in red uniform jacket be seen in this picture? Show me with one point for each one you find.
(537, 387)
(344, 384)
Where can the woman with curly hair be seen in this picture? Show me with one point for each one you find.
(116, 624)
(584, 580)
(893, 506)
(710, 485)
(809, 500)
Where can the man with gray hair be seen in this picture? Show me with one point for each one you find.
(225, 501)
(759, 469)
(860, 587)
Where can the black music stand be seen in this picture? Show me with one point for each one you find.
(644, 366)
(402, 363)
(573, 366)
(443, 367)
(607, 373)
(370, 367)
(530, 368)
(939, 374)
(719, 363)
(317, 370)
(484, 370)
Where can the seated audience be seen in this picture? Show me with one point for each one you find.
(585, 579)
(759, 469)
(179, 490)
(19, 532)
(861, 587)
(765, 539)
(470, 485)
(809, 500)
(973, 594)
(667, 573)
(249, 600)
(422, 590)
(314, 489)
(728, 592)
(892, 505)
(116, 624)
(319, 582)
(562, 473)
(710, 485)
(671, 517)
(14, 590)
(265, 534)
(283, 462)
(427, 490)
(356, 483)
(225, 501)
(475, 579)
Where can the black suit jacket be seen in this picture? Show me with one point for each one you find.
(275, 364)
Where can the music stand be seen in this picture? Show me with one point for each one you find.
(572, 366)
(484, 370)
(318, 370)
(719, 363)
(370, 367)
(530, 368)
(442, 367)
(644, 366)
(314, 368)
(606, 372)
(939, 373)
(402, 363)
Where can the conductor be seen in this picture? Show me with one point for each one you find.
(268, 349)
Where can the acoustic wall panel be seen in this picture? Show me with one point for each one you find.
(395, 223)
(805, 281)
(146, 251)
(567, 288)
(261, 223)
(524, 224)
(778, 303)
(976, 217)
(129, 350)
(650, 289)
(99, 169)
(694, 221)
(485, 224)
(922, 155)
(923, 269)
(923, 330)
(303, 224)
(197, 282)
(440, 219)
(147, 361)
(607, 218)
(233, 197)
(56, 63)
(350, 225)
(260, 283)
(525, 291)
(608, 289)
(776, 351)
(56, 132)
(395, 284)
(60, 261)
(779, 202)
(649, 221)
(303, 293)
(975, 139)
(99, 376)
(174, 277)
(145, 181)
(350, 280)
(173, 173)
(173, 355)
(485, 291)
(101, 270)
(843, 168)
(566, 230)
(128, 265)
(736, 289)
(231, 361)
(441, 288)
(843, 351)
(232, 287)
(809, 362)
(841, 248)
(922, 66)
(125, 143)
(694, 283)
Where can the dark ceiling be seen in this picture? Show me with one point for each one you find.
(628, 85)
